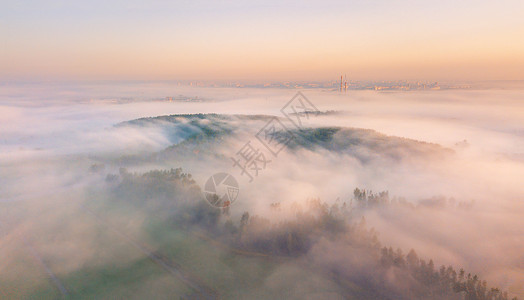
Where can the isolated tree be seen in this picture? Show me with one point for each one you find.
(244, 220)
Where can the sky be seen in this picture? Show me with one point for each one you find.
(261, 40)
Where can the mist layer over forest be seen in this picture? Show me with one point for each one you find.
(102, 194)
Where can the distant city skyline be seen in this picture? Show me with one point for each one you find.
(262, 40)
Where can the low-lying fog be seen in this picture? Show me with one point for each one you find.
(51, 134)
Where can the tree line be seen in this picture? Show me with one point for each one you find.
(174, 196)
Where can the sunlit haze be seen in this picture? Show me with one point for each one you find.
(262, 40)
(360, 150)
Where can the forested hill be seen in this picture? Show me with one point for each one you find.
(201, 134)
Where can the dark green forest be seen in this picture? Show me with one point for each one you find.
(381, 272)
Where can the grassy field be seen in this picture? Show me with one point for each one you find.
(106, 249)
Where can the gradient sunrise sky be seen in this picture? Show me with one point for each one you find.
(262, 40)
